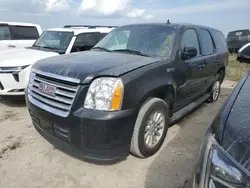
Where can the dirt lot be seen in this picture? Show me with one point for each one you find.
(28, 161)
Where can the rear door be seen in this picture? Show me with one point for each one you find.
(211, 58)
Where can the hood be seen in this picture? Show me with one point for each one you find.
(23, 56)
(93, 63)
(236, 138)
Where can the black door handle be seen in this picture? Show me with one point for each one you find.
(217, 60)
(201, 66)
(11, 46)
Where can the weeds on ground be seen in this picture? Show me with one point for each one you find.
(236, 70)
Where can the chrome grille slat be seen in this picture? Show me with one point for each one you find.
(56, 98)
(48, 101)
(61, 102)
(70, 88)
(58, 91)
(65, 93)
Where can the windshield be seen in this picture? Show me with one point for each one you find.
(56, 40)
(149, 40)
(4, 33)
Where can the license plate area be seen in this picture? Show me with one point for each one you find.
(45, 125)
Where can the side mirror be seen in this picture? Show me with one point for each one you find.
(244, 54)
(189, 52)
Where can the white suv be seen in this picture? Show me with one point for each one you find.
(15, 65)
(18, 35)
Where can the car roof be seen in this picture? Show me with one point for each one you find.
(180, 25)
(83, 30)
(19, 23)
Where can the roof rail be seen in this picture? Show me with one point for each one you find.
(88, 26)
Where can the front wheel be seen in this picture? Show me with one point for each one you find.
(150, 128)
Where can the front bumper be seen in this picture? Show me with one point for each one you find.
(14, 83)
(216, 168)
(93, 135)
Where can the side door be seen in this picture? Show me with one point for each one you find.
(211, 58)
(192, 88)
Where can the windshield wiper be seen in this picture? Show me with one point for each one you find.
(48, 47)
(101, 48)
(131, 52)
(35, 46)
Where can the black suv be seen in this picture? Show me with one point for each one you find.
(123, 94)
(237, 39)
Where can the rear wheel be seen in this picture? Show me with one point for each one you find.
(216, 88)
(150, 128)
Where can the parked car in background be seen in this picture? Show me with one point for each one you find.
(122, 95)
(244, 53)
(237, 39)
(224, 159)
(18, 35)
(15, 65)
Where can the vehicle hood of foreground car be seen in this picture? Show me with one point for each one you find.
(23, 56)
(93, 63)
(236, 138)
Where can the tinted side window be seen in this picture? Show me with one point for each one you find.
(4, 32)
(102, 35)
(206, 42)
(85, 41)
(190, 38)
(24, 33)
(220, 41)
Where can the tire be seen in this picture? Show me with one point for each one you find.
(216, 89)
(150, 110)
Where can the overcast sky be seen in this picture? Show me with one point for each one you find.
(225, 15)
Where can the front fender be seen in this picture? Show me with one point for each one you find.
(144, 83)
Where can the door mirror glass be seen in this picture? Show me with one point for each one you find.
(244, 54)
(189, 52)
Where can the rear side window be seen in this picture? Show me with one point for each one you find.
(24, 33)
(220, 41)
(4, 32)
(206, 42)
(190, 38)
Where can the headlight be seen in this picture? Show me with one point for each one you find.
(105, 94)
(223, 170)
(12, 69)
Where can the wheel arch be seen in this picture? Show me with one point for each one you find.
(165, 92)
(222, 72)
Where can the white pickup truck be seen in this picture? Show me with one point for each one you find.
(18, 35)
(15, 64)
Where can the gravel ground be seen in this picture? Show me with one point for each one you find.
(28, 161)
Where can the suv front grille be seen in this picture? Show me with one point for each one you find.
(62, 99)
